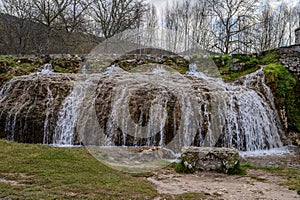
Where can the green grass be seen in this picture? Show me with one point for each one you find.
(235, 75)
(38, 171)
(279, 75)
(268, 59)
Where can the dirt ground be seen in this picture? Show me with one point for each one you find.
(257, 184)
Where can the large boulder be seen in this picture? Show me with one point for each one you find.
(210, 158)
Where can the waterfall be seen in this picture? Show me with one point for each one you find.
(66, 125)
(153, 108)
(47, 69)
(212, 112)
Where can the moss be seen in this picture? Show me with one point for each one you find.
(181, 168)
(59, 69)
(285, 87)
(232, 76)
(268, 59)
(224, 63)
(237, 169)
(281, 77)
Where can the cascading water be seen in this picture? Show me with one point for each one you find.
(206, 111)
(152, 108)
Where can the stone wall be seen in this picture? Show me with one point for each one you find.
(290, 58)
(297, 36)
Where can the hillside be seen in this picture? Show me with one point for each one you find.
(19, 36)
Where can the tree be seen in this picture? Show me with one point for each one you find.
(230, 17)
(46, 13)
(73, 19)
(150, 21)
(115, 16)
(201, 25)
(16, 25)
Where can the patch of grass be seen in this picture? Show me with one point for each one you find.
(43, 172)
(237, 170)
(225, 62)
(181, 168)
(269, 59)
(258, 178)
(60, 69)
(191, 195)
(235, 75)
(248, 166)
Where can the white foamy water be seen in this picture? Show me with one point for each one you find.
(213, 112)
(268, 152)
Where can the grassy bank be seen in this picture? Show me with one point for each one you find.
(39, 172)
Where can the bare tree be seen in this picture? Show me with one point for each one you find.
(115, 16)
(227, 24)
(201, 25)
(47, 12)
(73, 19)
(266, 29)
(150, 21)
(16, 27)
(150, 17)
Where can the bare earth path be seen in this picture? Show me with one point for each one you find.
(257, 184)
(263, 186)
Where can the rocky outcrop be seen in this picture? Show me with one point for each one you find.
(29, 106)
(210, 159)
(11, 66)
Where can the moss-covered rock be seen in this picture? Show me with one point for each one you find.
(11, 66)
(225, 160)
(285, 88)
(30, 106)
(130, 62)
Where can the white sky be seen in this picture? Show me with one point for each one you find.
(161, 4)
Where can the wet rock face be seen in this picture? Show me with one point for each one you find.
(210, 158)
(29, 106)
(137, 105)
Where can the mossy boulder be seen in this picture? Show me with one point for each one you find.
(210, 159)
